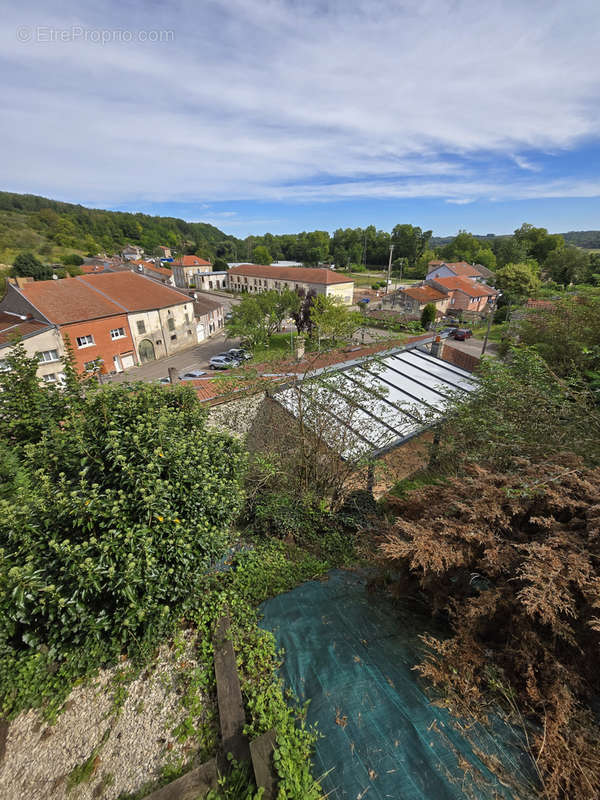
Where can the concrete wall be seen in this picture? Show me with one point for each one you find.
(157, 329)
(242, 283)
(184, 276)
(39, 343)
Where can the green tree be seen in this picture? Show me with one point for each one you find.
(428, 316)
(537, 242)
(26, 265)
(331, 320)
(259, 316)
(261, 255)
(409, 242)
(130, 499)
(73, 259)
(517, 281)
(466, 247)
(220, 265)
(569, 265)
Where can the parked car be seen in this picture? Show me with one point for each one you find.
(228, 316)
(220, 362)
(164, 380)
(190, 376)
(460, 334)
(240, 353)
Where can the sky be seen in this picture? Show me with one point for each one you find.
(289, 115)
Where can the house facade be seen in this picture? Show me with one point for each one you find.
(465, 294)
(256, 278)
(187, 270)
(210, 316)
(132, 252)
(452, 269)
(414, 299)
(112, 319)
(39, 339)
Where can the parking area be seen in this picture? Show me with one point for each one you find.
(195, 358)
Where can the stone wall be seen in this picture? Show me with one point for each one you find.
(459, 358)
(236, 416)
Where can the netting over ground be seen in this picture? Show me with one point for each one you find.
(351, 654)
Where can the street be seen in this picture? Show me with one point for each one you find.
(195, 357)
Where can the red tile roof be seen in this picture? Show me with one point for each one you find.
(90, 269)
(424, 294)
(166, 273)
(71, 300)
(464, 285)
(133, 292)
(99, 295)
(463, 269)
(300, 274)
(191, 261)
(12, 325)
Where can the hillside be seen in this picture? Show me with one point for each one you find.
(590, 240)
(51, 229)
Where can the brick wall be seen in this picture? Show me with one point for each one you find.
(459, 358)
(104, 347)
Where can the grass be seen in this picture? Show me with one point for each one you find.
(497, 332)
(278, 350)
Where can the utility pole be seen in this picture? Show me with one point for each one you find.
(389, 278)
(487, 333)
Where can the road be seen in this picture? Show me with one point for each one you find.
(195, 357)
(473, 347)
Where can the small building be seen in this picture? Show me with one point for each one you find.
(209, 314)
(186, 270)
(154, 271)
(452, 269)
(465, 294)
(132, 252)
(209, 281)
(40, 339)
(414, 299)
(256, 278)
(165, 252)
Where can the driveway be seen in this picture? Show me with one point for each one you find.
(473, 347)
(195, 357)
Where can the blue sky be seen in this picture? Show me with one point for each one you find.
(280, 115)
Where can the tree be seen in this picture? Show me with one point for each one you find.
(569, 265)
(466, 247)
(302, 313)
(259, 316)
(332, 321)
(26, 265)
(517, 281)
(567, 335)
(128, 501)
(409, 242)
(261, 255)
(73, 259)
(428, 316)
(220, 265)
(537, 242)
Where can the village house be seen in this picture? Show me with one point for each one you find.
(165, 252)
(261, 278)
(154, 271)
(465, 294)
(209, 315)
(413, 300)
(187, 270)
(40, 339)
(132, 252)
(454, 269)
(111, 319)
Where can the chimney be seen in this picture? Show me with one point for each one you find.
(437, 347)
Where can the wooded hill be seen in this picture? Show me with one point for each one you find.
(51, 228)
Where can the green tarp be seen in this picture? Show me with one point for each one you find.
(351, 653)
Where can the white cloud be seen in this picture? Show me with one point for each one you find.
(268, 99)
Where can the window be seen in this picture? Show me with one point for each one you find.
(46, 356)
(171, 324)
(174, 337)
(189, 333)
(117, 333)
(92, 366)
(187, 318)
(85, 341)
(50, 378)
(141, 326)
(3, 365)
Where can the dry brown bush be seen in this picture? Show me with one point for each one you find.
(514, 561)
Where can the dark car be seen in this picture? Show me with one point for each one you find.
(240, 353)
(460, 334)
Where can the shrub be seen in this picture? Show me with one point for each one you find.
(132, 499)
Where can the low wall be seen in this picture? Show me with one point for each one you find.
(459, 358)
